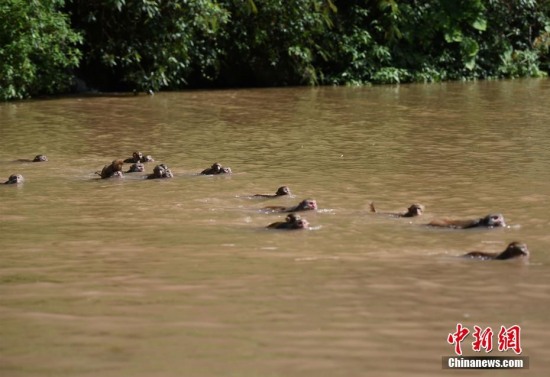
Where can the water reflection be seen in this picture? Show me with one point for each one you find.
(140, 277)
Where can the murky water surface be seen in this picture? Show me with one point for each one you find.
(179, 277)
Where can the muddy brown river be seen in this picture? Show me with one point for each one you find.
(179, 277)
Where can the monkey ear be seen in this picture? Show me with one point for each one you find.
(372, 209)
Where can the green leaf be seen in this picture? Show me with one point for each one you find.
(454, 35)
(480, 24)
(469, 47)
(252, 7)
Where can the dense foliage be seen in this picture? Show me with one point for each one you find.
(37, 48)
(148, 44)
(171, 44)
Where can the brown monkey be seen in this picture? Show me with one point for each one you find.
(292, 221)
(489, 221)
(147, 158)
(40, 158)
(515, 250)
(161, 171)
(283, 190)
(138, 157)
(37, 158)
(111, 170)
(138, 167)
(414, 210)
(304, 205)
(14, 179)
(215, 169)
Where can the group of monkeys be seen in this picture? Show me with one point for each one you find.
(114, 169)
(514, 250)
(293, 221)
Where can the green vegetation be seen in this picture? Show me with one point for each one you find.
(148, 44)
(37, 48)
(172, 44)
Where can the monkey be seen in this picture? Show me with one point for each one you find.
(147, 158)
(281, 191)
(489, 221)
(15, 179)
(515, 250)
(292, 221)
(138, 157)
(111, 170)
(138, 167)
(215, 169)
(40, 158)
(304, 205)
(161, 171)
(37, 158)
(414, 210)
(117, 174)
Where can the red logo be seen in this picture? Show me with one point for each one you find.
(457, 337)
(484, 339)
(508, 338)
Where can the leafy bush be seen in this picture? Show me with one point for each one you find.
(356, 55)
(148, 44)
(509, 48)
(37, 48)
(172, 44)
(275, 42)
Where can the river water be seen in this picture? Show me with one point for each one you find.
(134, 277)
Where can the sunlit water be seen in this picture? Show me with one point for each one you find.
(179, 277)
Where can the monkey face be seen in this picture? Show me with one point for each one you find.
(14, 179)
(40, 158)
(283, 190)
(137, 168)
(517, 249)
(216, 168)
(296, 222)
(302, 224)
(159, 170)
(147, 158)
(162, 171)
(494, 220)
(415, 210)
(307, 204)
